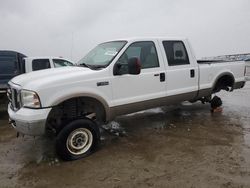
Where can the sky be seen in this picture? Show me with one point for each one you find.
(70, 28)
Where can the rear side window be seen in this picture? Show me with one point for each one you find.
(61, 63)
(176, 53)
(40, 64)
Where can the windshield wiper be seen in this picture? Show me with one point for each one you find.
(93, 67)
(98, 66)
(85, 65)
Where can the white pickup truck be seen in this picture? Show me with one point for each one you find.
(41, 63)
(115, 78)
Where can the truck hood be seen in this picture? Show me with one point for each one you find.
(46, 78)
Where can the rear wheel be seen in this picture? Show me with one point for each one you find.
(77, 139)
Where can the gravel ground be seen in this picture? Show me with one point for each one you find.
(175, 146)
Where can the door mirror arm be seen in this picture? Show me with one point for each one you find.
(116, 70)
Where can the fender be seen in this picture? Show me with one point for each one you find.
(220, 76)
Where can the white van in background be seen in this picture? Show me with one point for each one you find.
(40, 63)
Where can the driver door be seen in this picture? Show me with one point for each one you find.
(131, 90)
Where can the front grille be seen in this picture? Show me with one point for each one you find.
(14, 98)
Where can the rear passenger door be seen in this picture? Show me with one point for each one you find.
(182, 70)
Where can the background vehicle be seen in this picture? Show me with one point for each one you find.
(10, 66)
(40, 63)
(13, 64)
(116, 78)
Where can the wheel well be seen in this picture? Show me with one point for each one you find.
(74, 108)
(224, 83)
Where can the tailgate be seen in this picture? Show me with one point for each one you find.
(248, 71)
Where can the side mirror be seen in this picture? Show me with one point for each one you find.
(116, 70)
(134, 66)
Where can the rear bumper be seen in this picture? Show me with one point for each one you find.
(29, 121)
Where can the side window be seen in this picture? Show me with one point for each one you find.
(61, 63)
(176, 53)
(144, 51)
(39, 64)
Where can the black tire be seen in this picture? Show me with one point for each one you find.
(216, 102)
(69, 137)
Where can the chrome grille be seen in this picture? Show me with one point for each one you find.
(14, 98)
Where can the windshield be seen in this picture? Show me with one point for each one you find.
(102, 55)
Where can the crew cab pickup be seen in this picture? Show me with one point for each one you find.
(115, 78)
(13, 64)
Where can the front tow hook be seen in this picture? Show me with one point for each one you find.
(12, 122)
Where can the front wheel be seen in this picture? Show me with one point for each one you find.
(77, 139)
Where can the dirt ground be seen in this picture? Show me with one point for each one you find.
(176, 146)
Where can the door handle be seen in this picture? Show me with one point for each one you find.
(162, 77)
(192, 73)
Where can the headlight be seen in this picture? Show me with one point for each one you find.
(30, 99)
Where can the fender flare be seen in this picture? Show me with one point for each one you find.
(98, 98)
(220, 76)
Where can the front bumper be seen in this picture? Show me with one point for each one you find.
(29, 121)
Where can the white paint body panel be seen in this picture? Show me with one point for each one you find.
(53, 84)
